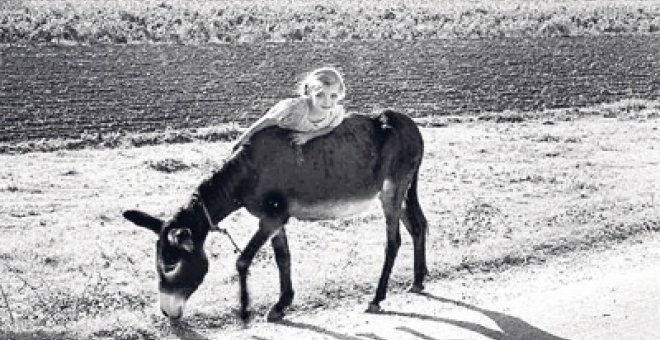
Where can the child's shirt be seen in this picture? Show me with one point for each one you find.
(293, 114)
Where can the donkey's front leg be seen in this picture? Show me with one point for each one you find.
(245, 259)
(283, 258)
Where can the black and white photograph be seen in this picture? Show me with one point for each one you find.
(329, 170)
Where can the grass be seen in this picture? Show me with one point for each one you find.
(497, 195)
(225, 132)
(194, 22)
(629, 109)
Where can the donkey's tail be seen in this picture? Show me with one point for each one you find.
(413, 211)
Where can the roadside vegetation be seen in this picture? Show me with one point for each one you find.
(630, 109)
(113, 140)
(200, 22)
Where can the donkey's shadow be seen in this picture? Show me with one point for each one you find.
(185, 331)
(511, 327)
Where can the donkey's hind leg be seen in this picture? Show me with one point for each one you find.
(414, 220)
(391, 199)
(283, 259)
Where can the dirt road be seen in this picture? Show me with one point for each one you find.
(610, 294)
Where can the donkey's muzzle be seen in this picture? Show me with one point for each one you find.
(172, 305)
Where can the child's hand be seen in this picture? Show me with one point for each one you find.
(240, 142)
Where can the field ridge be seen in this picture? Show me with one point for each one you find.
(629, 109)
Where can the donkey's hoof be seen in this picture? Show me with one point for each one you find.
(373, 308)
(274, 315)
(416, 288)
(245, 315)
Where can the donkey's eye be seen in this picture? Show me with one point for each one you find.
(168, 267)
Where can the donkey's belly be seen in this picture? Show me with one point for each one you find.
(332, 209)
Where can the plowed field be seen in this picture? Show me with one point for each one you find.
(66, 91)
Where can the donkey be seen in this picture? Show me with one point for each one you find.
(363, 159)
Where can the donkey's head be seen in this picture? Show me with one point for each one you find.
(180, 259)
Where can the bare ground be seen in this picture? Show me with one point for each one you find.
(525, 220)
(610, 294)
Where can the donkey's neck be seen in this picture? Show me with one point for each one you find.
(221, 193)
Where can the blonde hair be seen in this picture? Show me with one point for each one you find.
(320, 77)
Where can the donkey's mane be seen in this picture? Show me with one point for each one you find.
(218, 191)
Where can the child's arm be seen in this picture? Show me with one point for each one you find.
(262, 123)
(278, 115)
(301, 138)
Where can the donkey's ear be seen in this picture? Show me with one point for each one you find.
(144, 220)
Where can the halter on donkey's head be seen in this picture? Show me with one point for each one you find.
(214, 227)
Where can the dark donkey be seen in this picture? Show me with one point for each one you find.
(365, 158)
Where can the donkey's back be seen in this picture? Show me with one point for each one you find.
(333, 175)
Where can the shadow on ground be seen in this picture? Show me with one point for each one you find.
(185, 332)
(510, 327)
(319, 329)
